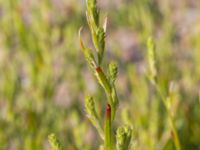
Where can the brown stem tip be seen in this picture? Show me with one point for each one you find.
(98, 69)
(108, 111)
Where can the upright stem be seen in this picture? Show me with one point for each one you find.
(171, 120)
(108, 132)
(175, 134)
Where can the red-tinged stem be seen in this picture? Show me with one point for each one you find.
(108, 111)
(108, 132)
(98, 69)
(107, 87)
(103, 80)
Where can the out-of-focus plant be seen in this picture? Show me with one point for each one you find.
(106, 81)
(55, 144)
(38, 95)
(167, 100)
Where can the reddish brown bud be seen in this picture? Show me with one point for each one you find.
(108, 111)
(98, 69)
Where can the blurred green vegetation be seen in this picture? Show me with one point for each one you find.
(44, 77)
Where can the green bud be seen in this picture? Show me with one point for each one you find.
(54, 143)
(90, 58)
(152, 60)
(92, 114)
(113, 70)
(93, 11)
(98, 33)
(123, 137)
(101, 43)
(90, 106)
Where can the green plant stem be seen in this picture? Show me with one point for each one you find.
(175, 134)
(108, 131)
(107, 88)
(171, 120)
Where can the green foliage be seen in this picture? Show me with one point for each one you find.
(152, 86)
(55, 144)
(97, 32)
(113, 70)
(98, 36)
(152, 60)
(123, 137)
(92, 115)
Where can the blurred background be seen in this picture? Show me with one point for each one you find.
(44, 76)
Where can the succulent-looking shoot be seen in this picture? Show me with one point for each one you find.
(92, 114)
(123, 137)
(94, 59)
(98, 32)
(101, 43)
(101, 77)
(109, 88)
(107, 128)
(90, 106)
(54, 143)
(113, 70)
(93, 11)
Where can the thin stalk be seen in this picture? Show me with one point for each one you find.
(171, 120)
(108, 131)
(107, 88)
(175, 134)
